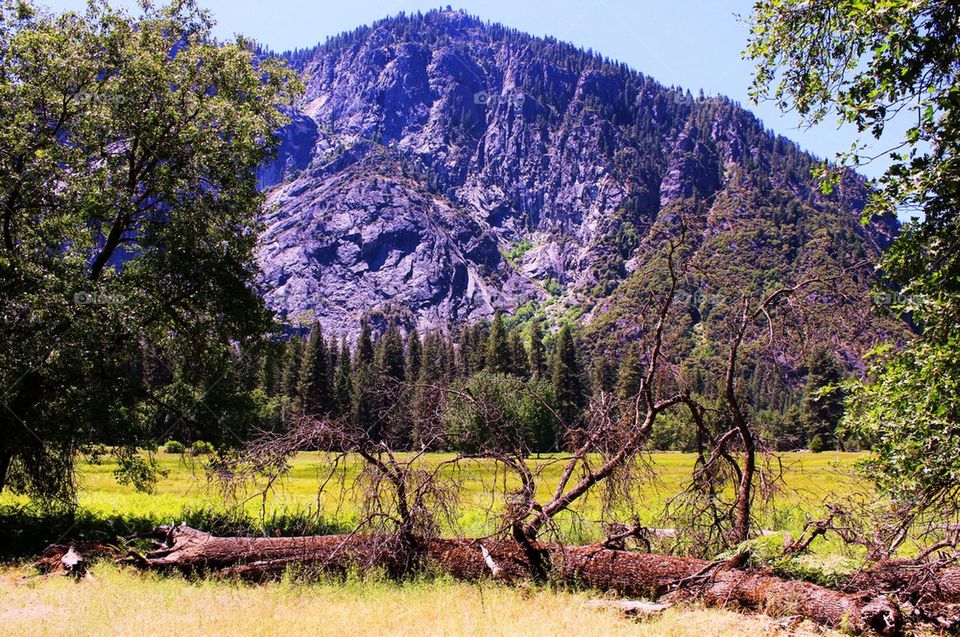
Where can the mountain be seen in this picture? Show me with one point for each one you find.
(439, 168)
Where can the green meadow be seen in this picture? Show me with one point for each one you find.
(124, 602)
(308, 493)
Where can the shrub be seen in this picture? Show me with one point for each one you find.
(174, 446)
(817, 444)
(517, 416)
(202, 448)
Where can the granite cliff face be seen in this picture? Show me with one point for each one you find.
(447, 167)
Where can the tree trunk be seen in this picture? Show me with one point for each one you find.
(625, 572)
(5, 458)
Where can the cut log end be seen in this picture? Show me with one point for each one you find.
(882, 616)
(72, 560)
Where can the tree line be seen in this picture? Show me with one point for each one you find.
(388, 384)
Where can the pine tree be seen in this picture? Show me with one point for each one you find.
(823, 400)
(389, 355)
(479, 353)
(363, 406)
(448, 359)
(537, 356)
(423, 406)
(603, 374)
(465, 360)
(432, 363)
(333, 358)
(315, 378)
(290, 386)
(414, 355)
(566, 378)
(630, 373)
(342, 385)
(270, 376)
(518, 356)
(498, 359)
(364, 354)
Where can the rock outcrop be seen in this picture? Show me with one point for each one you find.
(449, 167)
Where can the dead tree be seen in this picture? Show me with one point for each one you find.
(730, 456)
(927, 580)
(399, 531)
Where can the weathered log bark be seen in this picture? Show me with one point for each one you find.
(910, 580)
(625, 572)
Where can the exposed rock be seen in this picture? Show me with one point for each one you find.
(429, 147)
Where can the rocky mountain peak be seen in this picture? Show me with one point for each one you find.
(448, 167)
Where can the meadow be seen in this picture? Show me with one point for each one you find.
(119, 601)
(306, 496)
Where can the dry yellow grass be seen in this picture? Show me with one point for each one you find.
(121, 602)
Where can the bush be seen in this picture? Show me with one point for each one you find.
(817, 444)
(518, 416)
(174, 446)
(25, 529)
(202, 448)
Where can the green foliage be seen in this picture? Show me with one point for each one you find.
(817, 444)
(290, 383)
(537, 359)
(519, 249)
(784, 429)
(909, 412)
(315, 384)
(25, 530)
(675, 432)
(630, 372)
(519, 363)
(343, 382)
(504, 414)
(566, 378)
(867, 62)
(823, 397)
(202, 448)
(128, 151)
(553, 287)
(414, 355)
(174, 446)
(498, 354)
(389, 355)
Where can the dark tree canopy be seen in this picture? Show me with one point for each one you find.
(128, 150)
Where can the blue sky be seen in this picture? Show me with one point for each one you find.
(692, 44)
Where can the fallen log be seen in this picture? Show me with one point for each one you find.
(929, 588)
(628, 573)
(916, 581)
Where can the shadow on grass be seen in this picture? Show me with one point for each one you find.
(26, 530)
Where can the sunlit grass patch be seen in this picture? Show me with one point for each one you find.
(122, 602)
